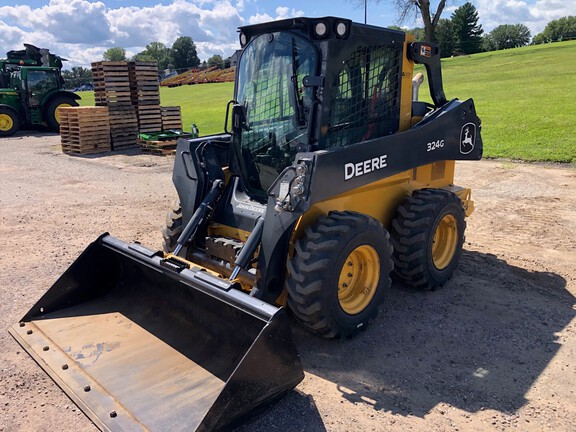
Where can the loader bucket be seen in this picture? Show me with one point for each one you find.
(140, 343)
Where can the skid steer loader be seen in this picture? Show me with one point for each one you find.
(327, 180)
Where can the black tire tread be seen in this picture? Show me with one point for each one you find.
(314, 259)
(173, 227)
(51, 108)
(15, 120)
(410, 233)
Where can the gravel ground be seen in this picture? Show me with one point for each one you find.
(493, 349)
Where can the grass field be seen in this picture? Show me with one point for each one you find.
(524, 96)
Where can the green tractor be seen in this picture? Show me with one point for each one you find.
(31, 90)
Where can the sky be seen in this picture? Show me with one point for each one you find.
(82, 30)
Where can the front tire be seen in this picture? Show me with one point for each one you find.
(9, 122)
(52, 115)
(173, 228)
(427, 235)
(339, 273)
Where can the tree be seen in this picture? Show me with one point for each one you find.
(557, 30)
(77, 76)
(183, 54)
(155, 51)
(509, 36)
(115, 54)
(415, 8)
(446, 37)
(467, 30)
(216, 60)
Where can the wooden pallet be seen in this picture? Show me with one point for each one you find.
(84, 130)
(111, 83)
(149, 118)
(161, 148)
(171, 118)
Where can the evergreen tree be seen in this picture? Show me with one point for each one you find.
(446, 37)
(467, 30)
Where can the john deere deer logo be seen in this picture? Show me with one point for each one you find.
(467, 138)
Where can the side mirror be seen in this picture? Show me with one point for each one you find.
(239, 118)
(239, 113)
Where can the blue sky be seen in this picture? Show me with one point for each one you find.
(81, 30)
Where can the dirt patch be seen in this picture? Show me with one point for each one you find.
(494, 349)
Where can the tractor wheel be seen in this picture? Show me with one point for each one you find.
(52, 115)
(427, 235)
(173, 228)
(339, 273)
(9, 122)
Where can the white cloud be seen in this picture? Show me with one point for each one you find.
(282, 12)
(534, 15)
(82, 30)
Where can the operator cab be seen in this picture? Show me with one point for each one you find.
(289, 71)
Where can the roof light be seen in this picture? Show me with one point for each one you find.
(341, 29)
(243, 40)
(320, 29)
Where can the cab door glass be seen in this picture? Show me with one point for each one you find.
(39, 84)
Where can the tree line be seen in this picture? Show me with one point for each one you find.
(180, 57)
(462, 33)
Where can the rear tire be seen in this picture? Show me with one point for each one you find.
(427, 235)
(9, 122)
(339, 273)
(173, 228)
(52, 116)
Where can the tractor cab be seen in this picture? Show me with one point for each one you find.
(32, 90)
(38, 83)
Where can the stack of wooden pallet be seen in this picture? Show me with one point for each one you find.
(171, 118)
(145, 95)
(84, 130)
(111, 83)
(112, 89)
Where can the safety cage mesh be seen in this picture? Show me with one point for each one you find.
(366, 102)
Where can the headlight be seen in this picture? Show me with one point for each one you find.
(320, 29)
(243, 40)
(341, 29)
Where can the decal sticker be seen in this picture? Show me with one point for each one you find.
(425, 51)
(251, 208)
(352, 170)
(467, 138)
(435, 145)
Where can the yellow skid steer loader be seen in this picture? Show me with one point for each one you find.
(330, 178)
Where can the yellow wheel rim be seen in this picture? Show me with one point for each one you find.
(6, 122)
(57, 112)
(358, 279)
(445, 242)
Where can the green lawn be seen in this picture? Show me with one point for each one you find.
(524, 96)
(204, 105)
